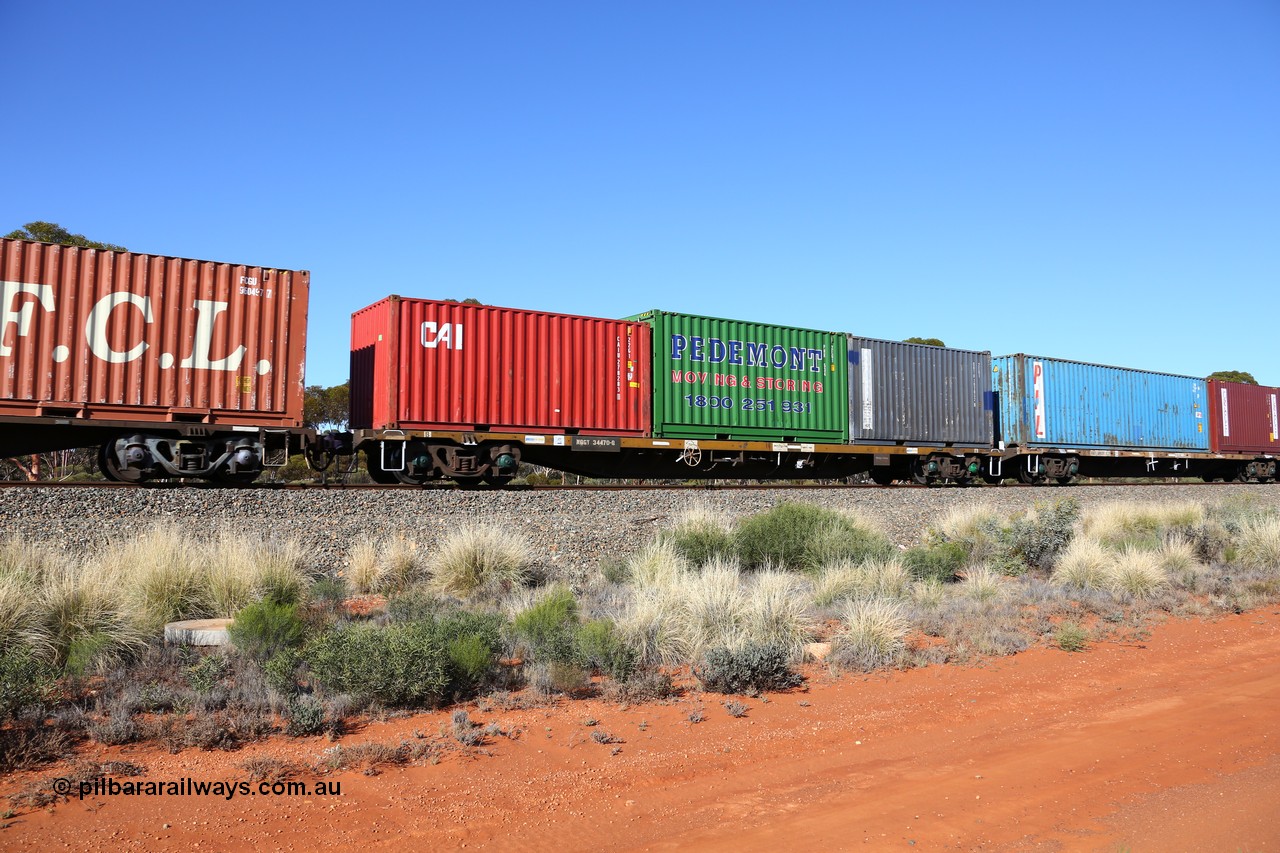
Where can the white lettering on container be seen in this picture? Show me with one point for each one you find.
(448, 335)
(207, 312)
(95, 328)
(21, 317)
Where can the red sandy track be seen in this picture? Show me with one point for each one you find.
(1170, 744)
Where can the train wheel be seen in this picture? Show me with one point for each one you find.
(918, 475)
(107, 463)
(1065, 481)
(1025, 476)
(992, 480)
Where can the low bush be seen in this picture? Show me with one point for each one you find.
(699, 536)
(266, 628)
(547, 630)
(805, 537)
(396, 665)
(1070, 637)
(940, 561)
(305, 716)
(601, 649)
(25, 681)
(749, 669)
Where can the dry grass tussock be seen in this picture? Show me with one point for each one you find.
(1259, 547)
(678, 615)
(873, 633)
(843, 580)
(982, 584)
(390, 566)
(1117, 524)
(1136, 574)
(1083, 565)
(971, 526)
(478, 559)
(658, 564)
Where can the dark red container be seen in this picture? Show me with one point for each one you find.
(93, 335)
(425, 364)
(1243, 418)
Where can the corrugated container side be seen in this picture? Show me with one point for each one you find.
(1056, 403)
(1244, 418)
(128, 336)
(918, 394)
(439, 365)
(750, 381)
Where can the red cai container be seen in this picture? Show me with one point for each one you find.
(426, 364)
(1243, 418)
(101, 335)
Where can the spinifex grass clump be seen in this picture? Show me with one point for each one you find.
(873, 634)
(1137, 525)
(805, 537)
(477, 558)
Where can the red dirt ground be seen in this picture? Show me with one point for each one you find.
(1170, 744)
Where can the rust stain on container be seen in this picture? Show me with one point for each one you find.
(101, 335)
(427, 364)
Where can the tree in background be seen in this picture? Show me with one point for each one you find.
(1234, 376)
(52, 232)
(327, 407)
(932, 342)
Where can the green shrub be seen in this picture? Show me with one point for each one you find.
(699, 536)
(474, 641)
(405, 665)
(207, 673)
(600, 648)
(941, 561)
(281, 671)
(547, 630)
(415, 605)
(1070, 637)
(265, 628)
(24, 680)
(805, 537)
(748, 668)
(305, 716)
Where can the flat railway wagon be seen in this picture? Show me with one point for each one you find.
(1059, 419)
(465, 392)
(173, 367)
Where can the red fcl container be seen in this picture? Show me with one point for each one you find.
(432, 365)
(1243, 418)
(90, 335)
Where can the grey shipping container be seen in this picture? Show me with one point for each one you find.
(902, 393)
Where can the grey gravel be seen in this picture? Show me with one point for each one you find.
(571, 531)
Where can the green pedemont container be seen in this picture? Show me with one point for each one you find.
(729, 379)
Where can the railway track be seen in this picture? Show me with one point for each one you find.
(192, 485)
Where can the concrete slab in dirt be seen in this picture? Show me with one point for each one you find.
(198, 632)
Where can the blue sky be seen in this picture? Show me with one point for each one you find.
(1095, 180)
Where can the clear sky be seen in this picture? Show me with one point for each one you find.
(1089, 180)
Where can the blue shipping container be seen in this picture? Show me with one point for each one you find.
(1048, 402)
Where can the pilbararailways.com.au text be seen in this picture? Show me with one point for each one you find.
(105, 786)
